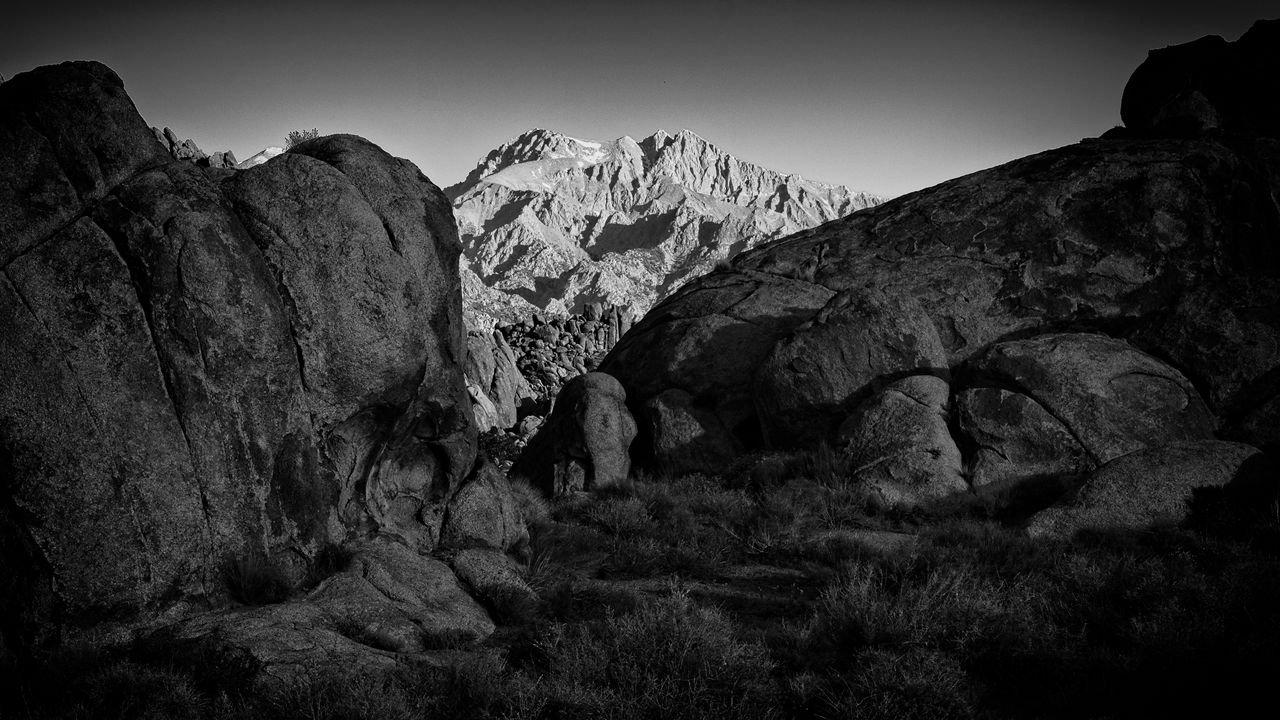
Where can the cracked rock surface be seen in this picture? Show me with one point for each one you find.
(1161, 245)
(200, 366)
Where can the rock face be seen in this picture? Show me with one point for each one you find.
(549, 350)
(492, 372)
(485, 514)
(684, 437)
(1059, 404)
(859, 341)
(1167, 244)
(197, 371)
(554, 223)
(1145, 488)
(900, 446)
(383, 612)
(1207, 85)
(585, 442)
(188, 150)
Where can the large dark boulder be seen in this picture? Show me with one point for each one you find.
(1054, 406)
(1209, 84)
(860, 341)
(1154, 486)
(194, 372)
(585, 442)
(1103, 236)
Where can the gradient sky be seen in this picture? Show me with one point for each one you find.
(885, 97)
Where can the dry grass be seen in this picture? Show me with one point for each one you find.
(972, 619)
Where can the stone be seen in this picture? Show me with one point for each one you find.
(422, 588)
(1150, 487)
(350, 332)
(379, 616)
(859, 341)
(1041, 412)
(277, 647)
(1101, 236)
(709, 339)
(528, 426)
(900, 447)
(686, 438)
(1208, 84)
(1019, 454)
(1109, 395)
(484, 414)
(485, 514)
(584, 444)
(199, 370)
(495, 579)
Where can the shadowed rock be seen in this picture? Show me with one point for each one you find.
(197, 371)
(1208, 84)
(1146, 488)
(1103, 236)
(899, 445)
(585, 441)
(859, 341)
(685, 437)
(484, 513)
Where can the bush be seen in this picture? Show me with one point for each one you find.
(667, 659)
(296, 137)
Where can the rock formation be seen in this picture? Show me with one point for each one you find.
(188, 150)
(550, 350)
(494, 381)
(197, 371)
(585, 442)
(1208, 85)
(1162, 248)
(551, 223)
(1148, 487)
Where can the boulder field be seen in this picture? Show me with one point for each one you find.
(208, 369)
(1007, 333)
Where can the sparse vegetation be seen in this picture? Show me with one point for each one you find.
(754, 595)
(296, 137)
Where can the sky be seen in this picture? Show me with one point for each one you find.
(884, 97)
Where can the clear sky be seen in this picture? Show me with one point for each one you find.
(886, 97)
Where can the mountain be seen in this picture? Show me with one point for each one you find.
(550, 222)
(261, 157)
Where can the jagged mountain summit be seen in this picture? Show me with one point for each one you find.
(550, 222)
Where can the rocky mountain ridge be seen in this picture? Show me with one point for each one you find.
(552, 223)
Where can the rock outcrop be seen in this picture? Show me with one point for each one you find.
(1167, 244)
(1208, 85)
(550, 349)
(899, 444)
(386, 611)
(198, 371)
(1057, 405)
(553, 223)
(497, 387)
(585, 442)
(1147, 488)
(188, 150)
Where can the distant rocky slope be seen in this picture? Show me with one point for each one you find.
(1007, 333)
(551, 223)
(210, 368)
